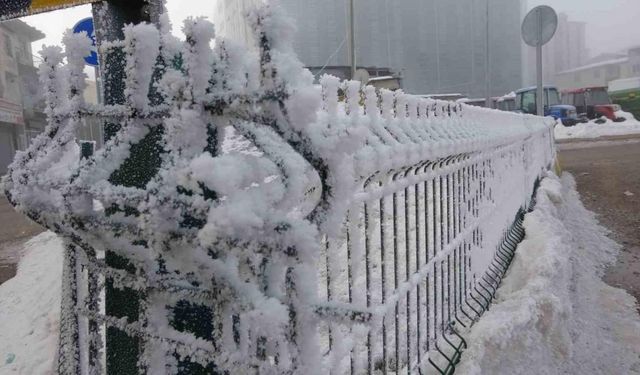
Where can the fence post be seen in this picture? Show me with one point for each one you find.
(123, 351)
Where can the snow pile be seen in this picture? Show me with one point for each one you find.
(30, 309)
(594, 130)
(553, 313)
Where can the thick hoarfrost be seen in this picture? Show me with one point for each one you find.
(554, 314)
(252, 175)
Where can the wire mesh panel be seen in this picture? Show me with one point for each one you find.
(240, 219)
(415, 242)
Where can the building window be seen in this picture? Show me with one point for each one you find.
(8, 46)
(21, 52)
(578, 77)
(636, 68)
(597, 73)
(11, 81)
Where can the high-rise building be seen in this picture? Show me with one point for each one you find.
(436, 46)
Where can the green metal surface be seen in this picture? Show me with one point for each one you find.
(629, 100)
(123, 350)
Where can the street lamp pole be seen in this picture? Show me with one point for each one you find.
(352, 39)
(539, 72)
(488, 103)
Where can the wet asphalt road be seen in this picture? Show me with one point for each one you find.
(607, 173)
(15, 229)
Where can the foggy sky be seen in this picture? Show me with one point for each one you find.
(53, 24)
(612, 25)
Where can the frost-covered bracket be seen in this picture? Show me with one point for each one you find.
(344, 238)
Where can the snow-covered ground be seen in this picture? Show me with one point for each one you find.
(30, 309)
(554, 314)
(593, 130)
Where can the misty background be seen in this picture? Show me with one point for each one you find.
(435, 46)
(612, 25)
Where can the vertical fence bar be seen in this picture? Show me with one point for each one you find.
(328, 284)
(407, 271)
(418, 231)
(68, 348)
(383, 282)
(396, 281)
(350, 282)
(427, 247)
(367, 257)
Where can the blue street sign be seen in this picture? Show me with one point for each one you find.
(86, 25)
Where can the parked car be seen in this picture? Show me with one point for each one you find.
(626, 93)
(592, 103)
(526, 102)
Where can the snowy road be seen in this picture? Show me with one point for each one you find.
(15, 229)
(608, 176)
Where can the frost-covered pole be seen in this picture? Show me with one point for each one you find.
(122, 350)
(110, 17)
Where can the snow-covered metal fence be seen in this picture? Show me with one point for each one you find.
(346, 236)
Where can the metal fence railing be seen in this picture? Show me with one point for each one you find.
(356, 234)
(412, 255)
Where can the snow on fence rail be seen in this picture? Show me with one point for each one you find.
(350, 241)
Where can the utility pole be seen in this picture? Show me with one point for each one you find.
(487, 74)
(352, 39)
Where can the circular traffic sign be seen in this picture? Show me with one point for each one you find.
(86, 25)
(539, 26)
